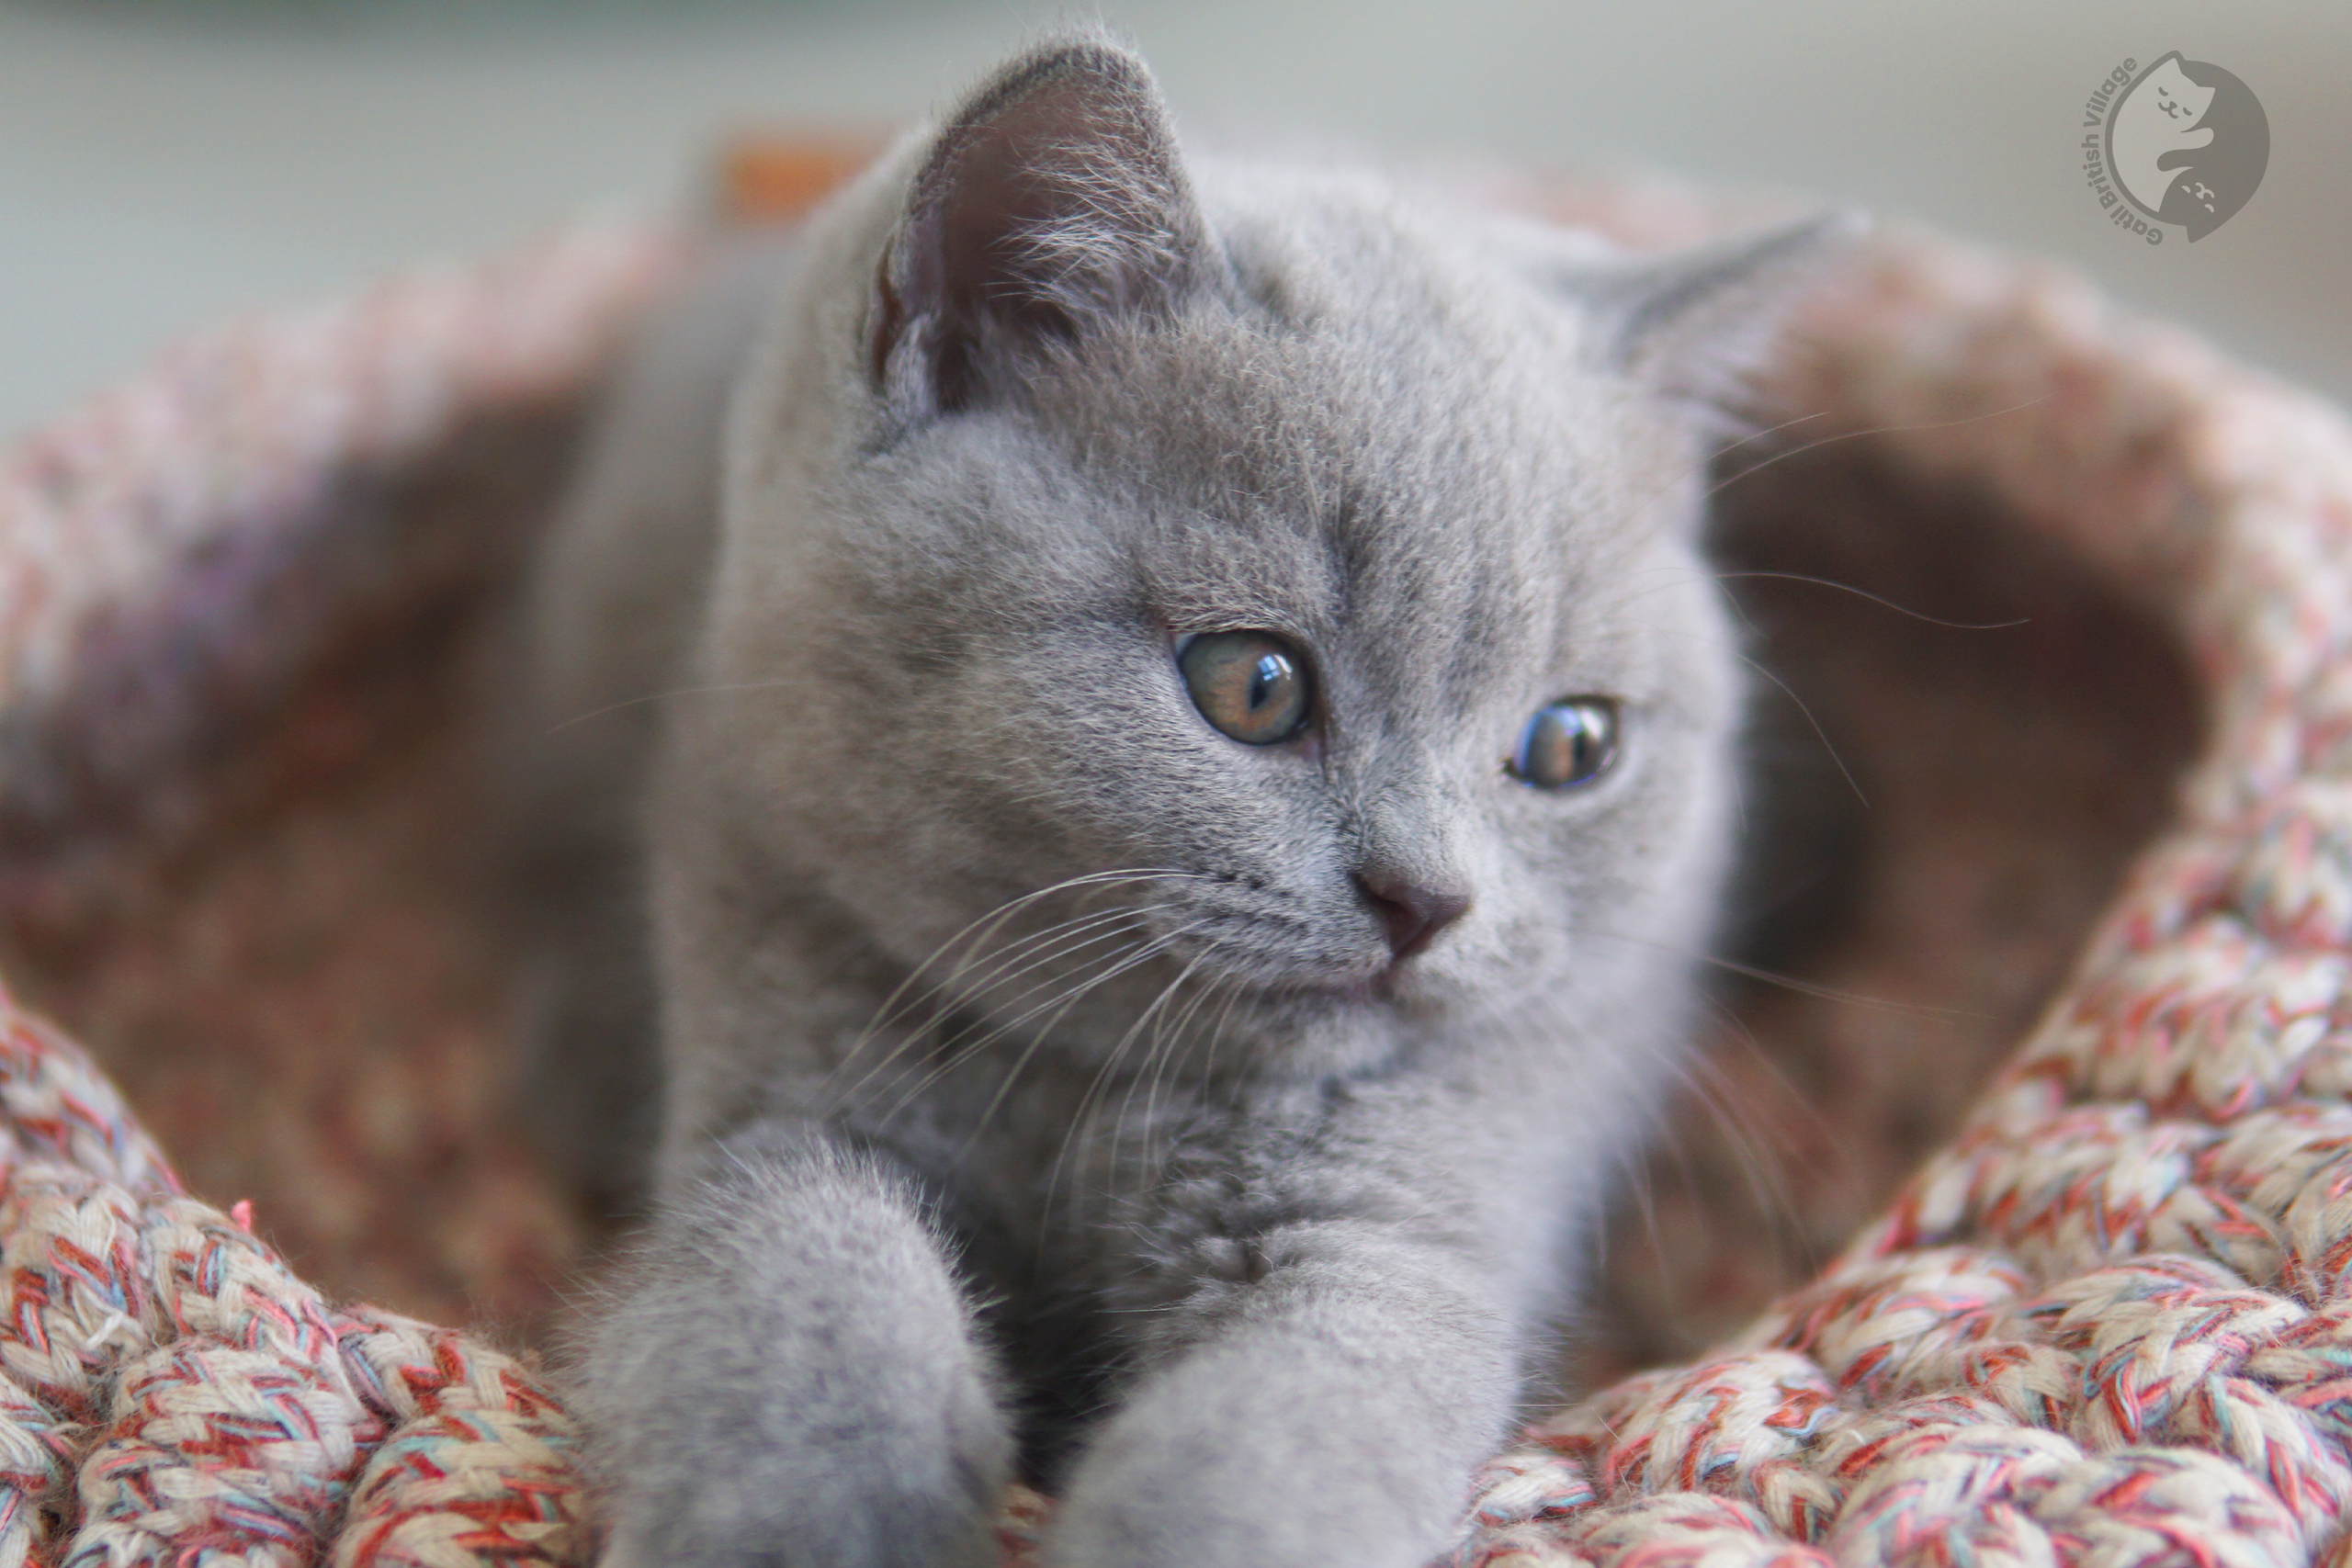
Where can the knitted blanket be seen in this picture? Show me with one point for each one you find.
(171, 1392)
(2098, 1313)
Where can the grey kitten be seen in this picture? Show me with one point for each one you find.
(1206, 753)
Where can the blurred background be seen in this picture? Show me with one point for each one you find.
(165, 165)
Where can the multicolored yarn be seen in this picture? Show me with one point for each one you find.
(2110, 1324)
(171, 1392)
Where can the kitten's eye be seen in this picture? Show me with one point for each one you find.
(1249, 685)
(1566, 744)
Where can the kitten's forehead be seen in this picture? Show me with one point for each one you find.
(1388, 441)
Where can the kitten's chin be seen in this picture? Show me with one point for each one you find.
(1386, 987)
(1408, 993)
(1345, 1030)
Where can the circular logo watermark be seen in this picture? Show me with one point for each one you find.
(2181, 142)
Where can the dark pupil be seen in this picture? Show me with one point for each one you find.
(1265, 682)
(1565, 743)
(1248, 684)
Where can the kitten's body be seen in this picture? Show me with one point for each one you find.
(990, 973)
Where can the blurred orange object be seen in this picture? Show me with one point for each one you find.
(773, 177)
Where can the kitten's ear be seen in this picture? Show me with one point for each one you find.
(1052, 199)
(1693, 323)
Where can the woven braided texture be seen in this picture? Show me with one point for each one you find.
(2110, 1323)
(171, 1392)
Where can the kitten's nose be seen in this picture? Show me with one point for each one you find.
(1412, 914)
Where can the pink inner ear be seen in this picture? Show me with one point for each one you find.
(1053, 198)
(1010, 181)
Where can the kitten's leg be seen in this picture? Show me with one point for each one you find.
(1328, 1411)
(791, 1377)
(591, 1087)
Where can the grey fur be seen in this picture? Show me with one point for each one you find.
(1038, 1077)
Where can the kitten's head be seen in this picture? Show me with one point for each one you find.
(1277, 597)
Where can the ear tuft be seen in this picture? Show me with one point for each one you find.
(1692, 324)
(1053, 200)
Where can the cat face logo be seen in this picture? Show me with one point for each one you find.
(2185, 143)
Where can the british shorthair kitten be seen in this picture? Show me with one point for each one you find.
(1199, 761)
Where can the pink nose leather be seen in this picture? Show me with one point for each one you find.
(1412, 915)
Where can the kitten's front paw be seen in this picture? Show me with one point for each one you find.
(793, 1382)
(1271, 1456)
(878, 1524)
(1192, 1510)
